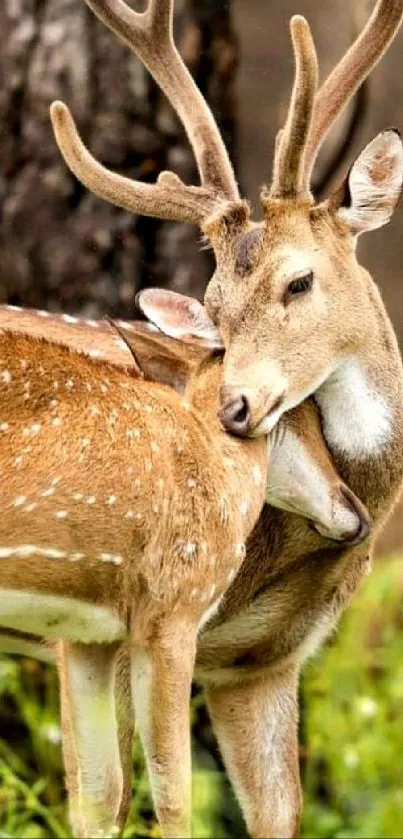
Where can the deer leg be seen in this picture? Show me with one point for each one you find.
(256, 726)
(90, 738)
(125, 721)
(161, 682)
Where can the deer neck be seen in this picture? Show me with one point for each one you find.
(361, 405)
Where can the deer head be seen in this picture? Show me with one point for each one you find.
(288, 294)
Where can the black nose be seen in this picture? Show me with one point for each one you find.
(235, 415)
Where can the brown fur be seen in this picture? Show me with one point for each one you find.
(164, 460)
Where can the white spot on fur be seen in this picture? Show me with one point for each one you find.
(129, 514)
(229, 462)
(20, 500)
(243, 508)
(6, 376)
(4, 426)
(192, 484)
(35, 427)
(61, 514)
(111, 500)
(75, 557)
(43, 313)
(70, 384)
(24, 551)
(133, 434)
(240, 550)
(91, 322)
(209, 613)
(30, 507)
(56, 421)
(24, 364)
(77, 496)
(47, 492)
(95, 353)
(356, 419)
(94, 410)
(54, 403)
(90, 499)
(116, 559)
(69, 319)
(257, 474)
(85, 442)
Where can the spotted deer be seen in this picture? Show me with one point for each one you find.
(100, 538)
(133, 525)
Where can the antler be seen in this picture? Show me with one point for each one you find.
(292, 141)
(149, 35)
(350, 73)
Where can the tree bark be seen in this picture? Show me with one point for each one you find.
(61, 247)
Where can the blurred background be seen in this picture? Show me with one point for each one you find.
(65, 250)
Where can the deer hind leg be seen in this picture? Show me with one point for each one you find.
(161, 683)
(256, 727)
(90, 738)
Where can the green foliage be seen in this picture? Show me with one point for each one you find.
(353, 704)
(354, 698)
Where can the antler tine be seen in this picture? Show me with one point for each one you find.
(169, 198)
(350, 73)
(291, 142)
(149, 35)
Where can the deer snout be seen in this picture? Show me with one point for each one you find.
(350, 521)
(235, 413)
(360, 531)
(239, 416)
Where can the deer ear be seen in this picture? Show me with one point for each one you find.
(373, 186)
(180, 317)
(156, 357)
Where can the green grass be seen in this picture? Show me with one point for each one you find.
(353, 738)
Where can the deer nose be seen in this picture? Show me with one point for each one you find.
(235, 414)
(363, 518)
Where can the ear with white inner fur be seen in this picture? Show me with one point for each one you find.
(180, 317)
(373, 185)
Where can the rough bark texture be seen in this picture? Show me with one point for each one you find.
(61, 247)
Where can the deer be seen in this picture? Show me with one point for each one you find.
(299, 317)
(94, 646)
(129, 527)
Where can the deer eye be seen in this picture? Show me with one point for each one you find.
(300, 286)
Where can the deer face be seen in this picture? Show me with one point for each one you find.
(289, 296)
(303, 479)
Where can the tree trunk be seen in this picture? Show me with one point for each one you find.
(60, 246)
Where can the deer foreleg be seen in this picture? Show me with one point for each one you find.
(256, 726)
(90, 738)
